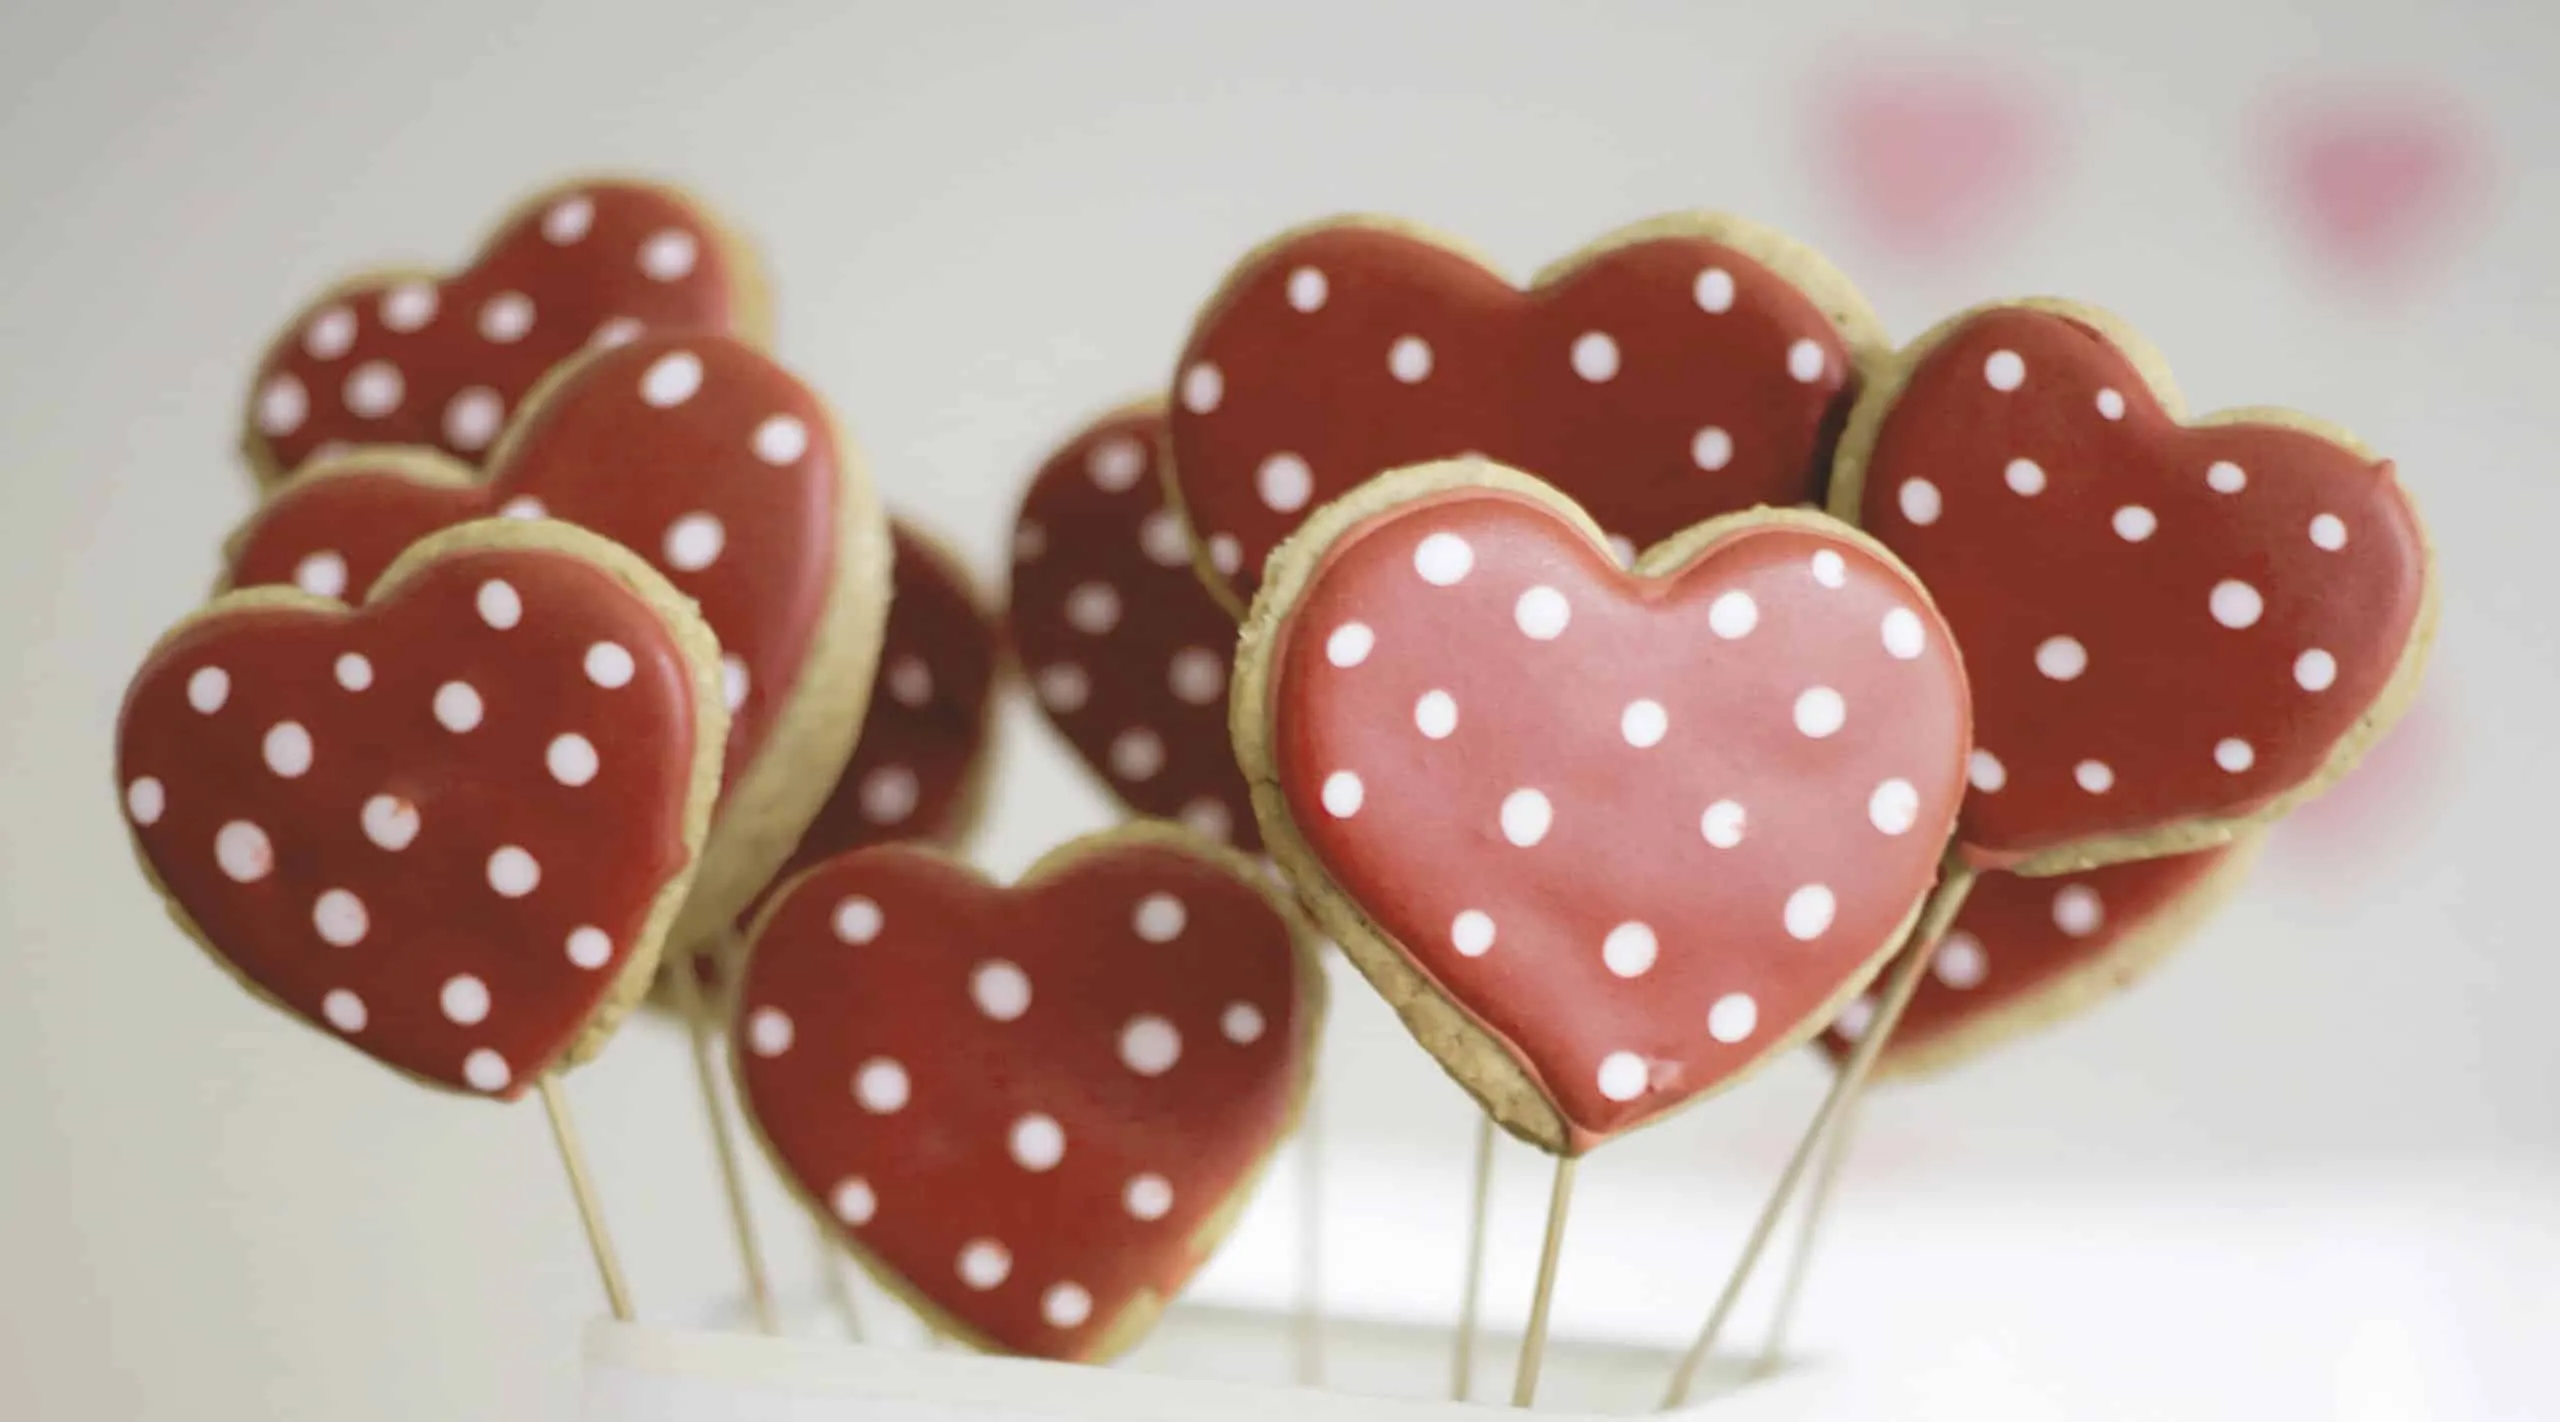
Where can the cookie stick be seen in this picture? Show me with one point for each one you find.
(836, 1282)
(1817, 1208)
(582, 1188)
(1310, 1320)
(686, 986)
(1462, 1359)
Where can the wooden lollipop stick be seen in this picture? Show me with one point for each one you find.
(839, 1287)
(617, 1294)
(1954, 883)
(724, 1148)
(1817, 1206)
(1311, 1244)
(1533, 1344)
(1462, 1364)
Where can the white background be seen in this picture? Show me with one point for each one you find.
(2311, 1165)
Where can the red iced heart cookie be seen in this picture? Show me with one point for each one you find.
(1033, 1110)
(1674, 370)
(408, 357)
(2024, 953)
(1608, 840)
(1127, 653)
(451, 826)
(2171, 629)
(724, 471)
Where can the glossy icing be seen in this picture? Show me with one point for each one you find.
(435, 827)
(1127, 653)
(1031, 1106)
(1643, 830)
(2162, 624)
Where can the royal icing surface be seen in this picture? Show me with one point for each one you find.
(445, 362)
(2162, 624)
(1126, 651)
(1640, 829)
(694, 451)
(434, 828)
(1026, 1103)
(1660, 384)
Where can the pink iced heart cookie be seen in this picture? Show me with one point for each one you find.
(1608, 840)
(1033, 1111)
(1127, 653)
(449, 827)
(1681, 368)
(714, 463)
(2172, 629)
(413, 358)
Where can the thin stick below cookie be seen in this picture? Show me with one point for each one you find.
(1462, 1363)
(1533, 1344)
(582, 1187)
(724, 1147)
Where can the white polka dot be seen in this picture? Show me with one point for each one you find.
(1733, 615)
(472, 418)
(287, 749)
(282, 406)
(857, 920)
(881, 1086)
(2061, 658)
(2110, 405)
(1166, 543)
(1985, 772)
(1442, 559)
(1722, 824)
(2094, 776)
(1471, 933)
(353, 671)
(2025, 477)
(1225, 553)
(609, 664)
(1159, 918)
(1920, 501)
(523, 506)
(1030, 540)
(1894, 807)
(409, 306)
(331, 334)
(1001, 989)
(1350, 644)
(485, 1070)
(1284, 482)
(1959, 961)
(668, 255)
(499, 604)
(389, 821)
(1542, 613)
(458, 706)
(854, 1201)
(464, 1000)
(1409, 359)
(1202, 388)
(1595, 356)
(2235, 604)
(910, 681)
(671, 379)
(1711, 449)
(2328, 531)
(1137, 754)
(1526, 817)
(1209, 819)
(1806, 361)
(1148, 1197)
(1342, 794)
(1644, 723)
(343, 1010)
(1115, 464)
(513, 872)
(1713, 291)
(615, 331)
(889, 794)
(780, 440)
(2005, 370)
(339, 918)
(2315, 670)
(1242, 1023)
(568, 220)
(1830, 569)
(146, 799)
(2134, 523)
(322, 574)
(2234, 754)
(1063, 687)
(1733, 1017)
(1435, 714)
(1037, 1142)
(2077, 910)
(1622, 549)
(1307, 289)
(374, 389)
(1904, 637)
(693, 541)
(1149, 1046)
(1622, 1076)
(2225, 477)
(506, 317)
(1093, 608)
(1066, 1306)
(733, 681)
(1820, 712)
(1630, 949)
(984, 1264)
(1809, 911)
(1853, 1020)
(571, 759)
(589, 947)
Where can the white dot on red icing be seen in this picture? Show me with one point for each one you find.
(282, 406)
(880, 1084)
(1148, 1197)
(1037, 1142)
(889, 794)
(1711, 449)
(2224, 477)
(780, 440)
(1342, 794)
(1030, 540)
(1806, 360)
(1733, 615)
(513, 872)
(1137, 754)
(2328, 532)
(343, 1010)
(242, 850)
(1733, 1017)
(1409, 359)
(1149, 1045)
(1820, 712)
(609, 664)
(506, 317)
(1115, 464)
(322, 574)
(568, 220)
(409, 306)
(571, 759)
(1629, 950)
(458, 707)
(2061, 658)
(146, 799)
(1202, 388)
(472, 418)
(2077, 910)
(353, 671)
(1852, 1022)
(1595, 356)
(1241, 1023)
(499, 604)
(1622, 1076)
(2235, 604)
(1959, 961)
(1542, 613)
(1622, 549)
(2005, 370)
(1066, 1306)
(1225, 553)
(853, 1200)
(1159, 918)
(1093, 608)
(2315, 670)
(1808, 912)
(1163, 539)
(2024, 476)
(2134, 523)
(374, 389)
(2234, 754)
(1307, 288)
(1526, 817)
(589, 947)
(1644, 723)
(615, 331)
(1285, 483)
(1349, 645)
(2094, 776)
(1063, 686)
(1197, 675)
(857, 920)
(733, 680)
(1920, 501)
(671, 379)
(1985, 772)
(1904, 636)
(1894, 807)
(1830, 569)
(389, 821)
(2110, 404)
(1435, 714)
(910, 681)
(1209, 819)
(331, 334)
(669, 255)
(485, 1070)
(1713, 291)
(287, 749)
(339, 918)
(1722, 824)
(522, 506)
(694, 541)
(1471, 933)
(464, 1000)
(1001, 989)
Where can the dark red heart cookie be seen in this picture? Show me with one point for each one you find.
(1685, 367)
(1609, 840)
(2025, 953)
(451, 826)
(2172, 628)
(411, 358)
(1127, 653)
(714, 463)
(1033, 1111)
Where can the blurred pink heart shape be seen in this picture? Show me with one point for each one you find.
(2384, 803)
(2373, 182)
(1930, 158)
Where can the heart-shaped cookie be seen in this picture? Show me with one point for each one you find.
(2172, 629)
(2027, 953)
(449, 827)
(1127, 653)
(1031, 1111)
(705, 457)
(1681, 368)
(1607, 840)
(411, 357)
